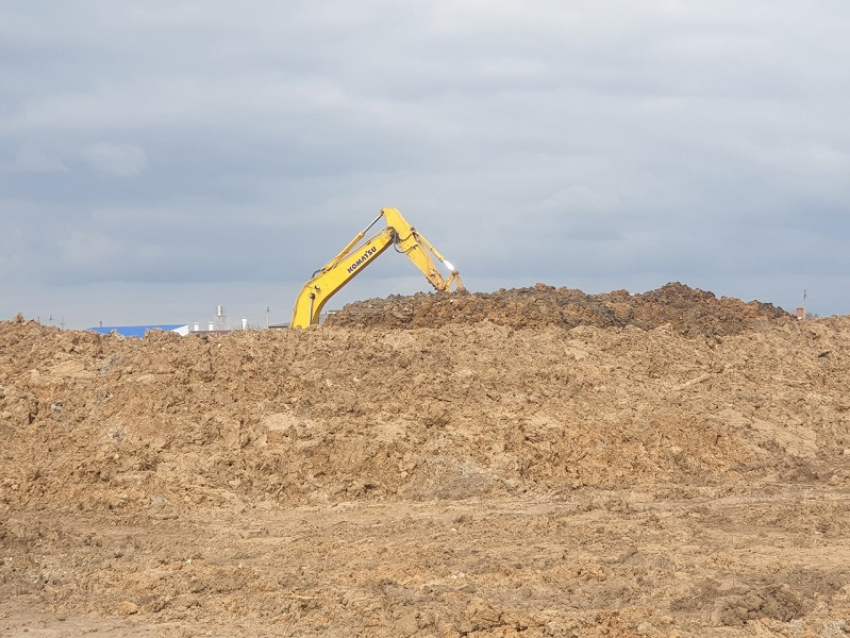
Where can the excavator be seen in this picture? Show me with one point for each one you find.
(355, 257)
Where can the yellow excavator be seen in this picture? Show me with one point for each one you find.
(354, 258)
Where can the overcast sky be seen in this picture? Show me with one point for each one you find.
(161, 158)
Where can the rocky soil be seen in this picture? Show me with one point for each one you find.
(687, 310)
(533, 462)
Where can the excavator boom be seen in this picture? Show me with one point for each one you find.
(356, 256)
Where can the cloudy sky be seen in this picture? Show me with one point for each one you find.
(161, 158)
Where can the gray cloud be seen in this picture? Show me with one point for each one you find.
(166, 149)
(32, 160)
(115, 160)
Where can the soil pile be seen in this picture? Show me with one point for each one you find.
(676, 463)
(688, 310)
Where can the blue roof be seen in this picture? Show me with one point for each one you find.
(137, 331)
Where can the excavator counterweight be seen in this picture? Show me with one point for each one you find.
(356, 256)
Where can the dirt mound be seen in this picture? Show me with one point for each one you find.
(449, 413)
(688, 310)
(679, 467)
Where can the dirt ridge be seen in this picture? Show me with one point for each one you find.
(662, 464)
(689, 310)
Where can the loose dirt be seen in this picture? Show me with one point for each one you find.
(533, 462)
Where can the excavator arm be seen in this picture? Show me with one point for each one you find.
(355, 257)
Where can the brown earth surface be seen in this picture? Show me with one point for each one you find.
(688, 310)
(534, 462)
